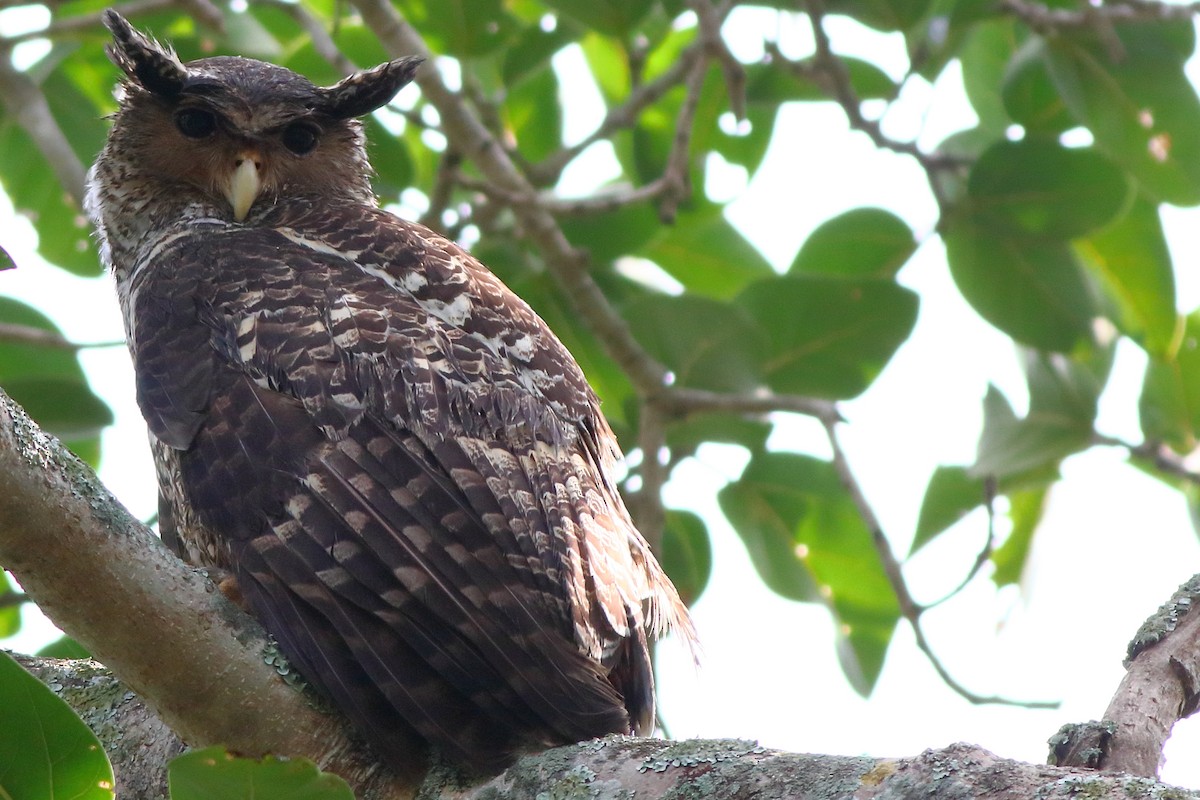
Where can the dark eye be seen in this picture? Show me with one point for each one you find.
(195, 123)
(300, 137)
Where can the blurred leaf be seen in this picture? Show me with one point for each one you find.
(1025, 511)
(1142, 109)
(883, 15)
(62, 228)
(533, 112)
(461, 28)
(984, 56)
(1030, 97)
(1010, 446)
(10, 616)
(45, 749)
(705, 253)
(828, 337)
(707, 344)
(50, 384)
(952, 493)
(684, 436)
(807, 541)
(213, 773)
(1037, 187)
(686, 554)
(64, 647)
(610, 17)
(1032, 290)
(533, 48)
(611, 234)
(1170, 403)
(1133, 263)
(390, 158)
(862, 242)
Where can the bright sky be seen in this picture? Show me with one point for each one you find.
(1114, 544)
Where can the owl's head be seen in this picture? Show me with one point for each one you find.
(236, 129)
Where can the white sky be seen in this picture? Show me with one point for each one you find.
(1114, 544)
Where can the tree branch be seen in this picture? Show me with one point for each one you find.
(191, 654)
(25, 101)
(910, 610)
(1161, 686)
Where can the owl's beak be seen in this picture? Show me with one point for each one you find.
(244, 185)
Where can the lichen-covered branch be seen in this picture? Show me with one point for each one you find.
(163, 628)
(1161, 686)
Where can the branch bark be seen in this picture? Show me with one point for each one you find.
(1161, 686)
(193, 656)
(719, 769)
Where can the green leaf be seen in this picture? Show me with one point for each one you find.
(1170, 403)
(1025, 511)
(610, 17)
(50, 384)
(1011, 446)
(707, 344)
(685, 435)
(984, 56)
(62, 228)
(862, 242)
(45, 749)
(807, 541)
(1032, 290)
(1030, 97)
(390, 158)
(952, 493)
(611, 234)
(461, 28)
(884, 15)
(533, 112)
(703, 251)
(686, 554)
(1037, 187)
(1133, 262)
(64, 647)
(828, 337)
(213, 773)
(1141, 108)
(10, 616)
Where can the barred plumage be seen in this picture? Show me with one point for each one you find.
(400, 464)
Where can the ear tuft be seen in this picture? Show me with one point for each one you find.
(367, 90)
(148, 64)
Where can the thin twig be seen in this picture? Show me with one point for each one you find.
(13, 599)
(989, 545)
(650, 516)
(443, 189)
(27, 334)
(25, 101)
(1042, 18)
(910, 610)
(1157, 455)
(620, 117)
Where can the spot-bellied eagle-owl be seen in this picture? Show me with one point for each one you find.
(401, 466)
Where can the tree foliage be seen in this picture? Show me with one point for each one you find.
(1048, 210)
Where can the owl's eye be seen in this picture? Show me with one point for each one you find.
(300, 137)
(195, 123)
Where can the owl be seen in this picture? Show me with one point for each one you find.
(389, 454)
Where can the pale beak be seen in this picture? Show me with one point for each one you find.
(244, 185)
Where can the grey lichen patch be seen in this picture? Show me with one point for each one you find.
(1165, 619)
(694, 752)
(1083, 744)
